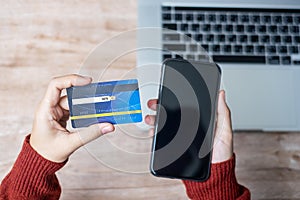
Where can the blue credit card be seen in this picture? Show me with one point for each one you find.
(116, 102)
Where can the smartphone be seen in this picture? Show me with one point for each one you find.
(185, 121)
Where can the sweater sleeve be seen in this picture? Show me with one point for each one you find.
(32, 177)
(222, 184)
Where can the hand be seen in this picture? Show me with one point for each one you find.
(49, 136)
(223, 142)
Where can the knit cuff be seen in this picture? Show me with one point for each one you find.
(31, 171)
(222, 183)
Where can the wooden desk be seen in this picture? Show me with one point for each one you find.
(39, 40)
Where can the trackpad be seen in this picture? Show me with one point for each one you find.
(262, 99)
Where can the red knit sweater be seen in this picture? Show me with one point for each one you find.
(33, 177)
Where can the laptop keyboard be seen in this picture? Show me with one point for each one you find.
(233, 35)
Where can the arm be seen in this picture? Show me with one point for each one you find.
(32, 177)
(222, 184)
(48, 147)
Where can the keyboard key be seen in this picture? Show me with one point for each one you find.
(228, 28)
(190, 57)
(282, 49)
(233, 18)
(262, 29)
(297, 19)
(211, 17)
(206, 28)
(256, 18)
(171, 37)
(166, 56)
(254, 38)
(170, 26)
(296, 62)
(200, 17)
(203, 57)
(218, 28)
(205, 47)
(195, 27)
(274, 60)
(166, 8)
(283, 29)
(272, 29)
(184, 27)
(178, 17)
(244, 18)
(288, 19)
(239, 28)
(286, 60)
(187, 37)
(179, 56)
(243, 38)
(239, 59)
(210, 38)
(231, 38)
(293, 50)
(199, 37)
(249, 48)
(189, 17)
(266, 19)
(221, 38)
(294, 29)
(216, 48)
(260, 49)
(223, 18)
(174, 47)
(227, 48)
(297, 39)
(264, 39)
(277, 19)
(193, 47)
(271, 49)
(250, 29)
(276, 39)
(166, 16)
(287, 39)
(238, 49)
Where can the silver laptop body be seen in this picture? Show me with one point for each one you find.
(262, 82)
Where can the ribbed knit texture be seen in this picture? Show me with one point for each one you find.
(222, 184)
(32, 177)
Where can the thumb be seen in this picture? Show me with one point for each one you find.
(223, 112)
(91, 133)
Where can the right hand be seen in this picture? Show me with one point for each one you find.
(223, 142)
(49, 136)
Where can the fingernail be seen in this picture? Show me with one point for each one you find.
(87, 77)
(107, 129)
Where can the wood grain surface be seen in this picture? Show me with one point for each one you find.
(42, 39)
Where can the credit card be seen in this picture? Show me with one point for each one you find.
(116, 102)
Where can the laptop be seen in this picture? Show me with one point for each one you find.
(255, 42)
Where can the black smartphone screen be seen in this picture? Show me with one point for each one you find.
(185, 120)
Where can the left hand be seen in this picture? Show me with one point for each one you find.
(49, 136)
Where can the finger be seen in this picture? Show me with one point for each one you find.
(223, 113)
(223, 129)
(63, 123)
(66, 115)
(90, 133)
(152, 104)
(63, 102)
(151, 132)
(57, 84)
(150, 120)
